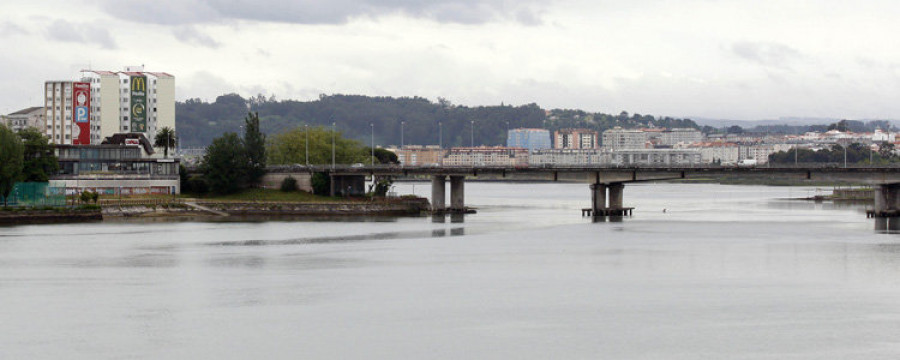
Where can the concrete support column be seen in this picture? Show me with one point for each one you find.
(615, 195)
(438, 192)
(882, 194)
(598, 197)
(457, 193)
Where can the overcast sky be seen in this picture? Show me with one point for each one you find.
(742, 60)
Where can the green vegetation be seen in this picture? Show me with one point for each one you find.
(166, 139)
(856, 154)
(255, 147)
(289, 184)
(39, 159)
(225, 166)
(11, 161)
(290, 147)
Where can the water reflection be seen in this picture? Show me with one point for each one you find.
(889, 225)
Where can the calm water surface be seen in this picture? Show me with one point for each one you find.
(725, 272)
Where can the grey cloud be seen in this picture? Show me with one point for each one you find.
(62, 30)
(321, 12)
(191, 35)
(766, 54)
(8, 29)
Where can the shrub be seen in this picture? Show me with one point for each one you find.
(321, 184)
(197, 184)
(289, 184)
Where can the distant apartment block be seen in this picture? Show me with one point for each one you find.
(531, 139)
(717, 152)
(487, 156)
(32, 117)
(681, 136)
(655, 157)
(103, 103)
(417, 155)
(575, 139)
(625, 139)
(569, 157)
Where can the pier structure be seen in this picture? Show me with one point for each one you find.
(439, 194)
(887, 201)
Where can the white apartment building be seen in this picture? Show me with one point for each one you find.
(487, 156)
(655, 157)
(718, 152)
(575, 139)
(681, 136)
(25, 118)
(568, 157)
(104, 103)
(622, 139)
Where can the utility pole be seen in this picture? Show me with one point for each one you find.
(472, 138)
(332, 146)
(372, 125)
(306, 126)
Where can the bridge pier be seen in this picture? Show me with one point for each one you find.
(457, 193)
(599, 206)
(887, 201)
(438, 192)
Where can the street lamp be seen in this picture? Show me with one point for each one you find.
(372, 125)
(440, 135)
(306, 127)
(472, 136)
(401, 134)
(332, 145)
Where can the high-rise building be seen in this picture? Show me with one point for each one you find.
(104, 103)
(681, 136)
(575, 139)
(531, 139)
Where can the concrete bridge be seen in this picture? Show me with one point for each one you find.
(606, 183)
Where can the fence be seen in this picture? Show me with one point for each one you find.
(34, 194)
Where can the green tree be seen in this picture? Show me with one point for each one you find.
(383, 156)
(11, 161)
(39, 161)
(165, 139)
(255, 146)
(290, 147)
(225, 165)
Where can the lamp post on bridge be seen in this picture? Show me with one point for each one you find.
(472, 135)
(372, 125)
(332, 145)
(306, 127)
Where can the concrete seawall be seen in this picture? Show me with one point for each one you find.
(410, 207)
(48, 216)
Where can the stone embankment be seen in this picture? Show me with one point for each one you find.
(49, 216)
(268, 208)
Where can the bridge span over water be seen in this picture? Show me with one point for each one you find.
(606, 183)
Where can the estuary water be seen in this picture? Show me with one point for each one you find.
(725, 272)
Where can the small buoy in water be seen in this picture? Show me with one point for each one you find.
(664, 210)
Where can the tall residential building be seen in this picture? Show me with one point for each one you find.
(531, 139)
(104, 103)
(26, 118)
(681, 136)
(623, 139)
(575, 139)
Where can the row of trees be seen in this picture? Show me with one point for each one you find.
(25, 156)
(233, 163)
(855, 154)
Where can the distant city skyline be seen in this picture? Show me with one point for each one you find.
(733, 60)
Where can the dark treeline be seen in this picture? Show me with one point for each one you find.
(199, 122)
